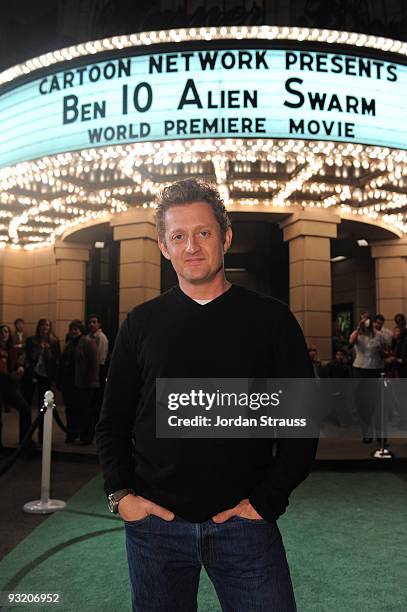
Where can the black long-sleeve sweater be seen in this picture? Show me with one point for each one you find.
(240, 334)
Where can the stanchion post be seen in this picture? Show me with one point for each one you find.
(45, 505)
(382, 452)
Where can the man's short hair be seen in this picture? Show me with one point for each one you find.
(379, 317)
(19, 320)
(95, 316)
(185, 192)
(77, 324)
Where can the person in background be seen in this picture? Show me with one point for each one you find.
(96, 333)
(78, 377)
(370, 347)
(42, 353)
(316, 362)
(19, 337)
(338, 339)
(396, 361)
(10, 373)
(338, 368)
(400, 321)
(102, 343)
(387, 333)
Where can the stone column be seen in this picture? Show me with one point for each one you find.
(309, 235)
(12, 266)
(391, 278)
(71, 259)
(40, 287)
(139, 258)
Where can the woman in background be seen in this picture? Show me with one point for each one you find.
(41, 362)
(10, 373)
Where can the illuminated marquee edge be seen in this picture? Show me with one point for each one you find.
(312, 154)
(265, 32)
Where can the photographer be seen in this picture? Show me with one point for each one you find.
(370, 347)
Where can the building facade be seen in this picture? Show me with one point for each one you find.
(301, 129)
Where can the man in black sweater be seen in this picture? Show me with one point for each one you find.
(193, 502)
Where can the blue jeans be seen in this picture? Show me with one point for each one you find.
(245, 560)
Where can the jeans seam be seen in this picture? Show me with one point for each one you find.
(198, 542)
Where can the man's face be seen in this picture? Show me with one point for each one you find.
(75, 332)
(378, 323)
(94, 325)
(193, 242)
(20, 326)
(340, 357)
(400, 322)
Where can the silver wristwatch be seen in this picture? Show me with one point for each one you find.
(114, 498)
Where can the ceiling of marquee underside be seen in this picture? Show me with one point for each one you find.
(41, 200)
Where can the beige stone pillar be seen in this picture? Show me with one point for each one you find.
(27, 286)
(71, 259)
(391, 278)
(40, 287)
(139, 258)
(12, 266)
(309, 235)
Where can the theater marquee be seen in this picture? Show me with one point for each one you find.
(208, 93)
(281, 119)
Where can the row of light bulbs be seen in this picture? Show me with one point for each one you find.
(125, 162)
(264, 32)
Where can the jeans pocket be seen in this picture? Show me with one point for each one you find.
(137, 522)
(247, 520)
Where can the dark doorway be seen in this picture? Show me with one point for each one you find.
(102, 284)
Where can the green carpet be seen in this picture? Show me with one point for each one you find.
(345, 536)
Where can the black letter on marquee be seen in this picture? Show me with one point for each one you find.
(290, 58)
(295, 92)
(43, 91)
(296, 127)
(369, 108)
(147, 105)
(124, 68)
(70, 106)
(196, 100)
(260, 59)
(156, 63)
(124, 100)
(391, 70)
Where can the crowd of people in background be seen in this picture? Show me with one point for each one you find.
(372, 350)
(30, 366)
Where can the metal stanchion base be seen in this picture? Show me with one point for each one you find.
(382, 453)
(40, 507)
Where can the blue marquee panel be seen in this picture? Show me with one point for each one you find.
(248, 93)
